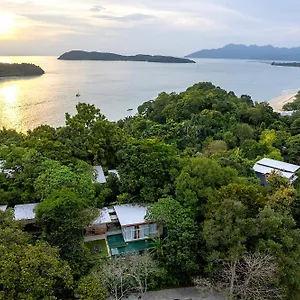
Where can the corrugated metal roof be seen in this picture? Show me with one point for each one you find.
(130, 214)
(279, 165)
(25, 211)
(103, 217)
(267, 170)
(3, 207)
(100, 174)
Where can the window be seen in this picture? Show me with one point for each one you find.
(128, 233)
(153, 228)
(139, 232)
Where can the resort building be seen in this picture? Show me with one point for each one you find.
(266, 166)
(122, 229)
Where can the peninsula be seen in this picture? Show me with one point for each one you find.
(233, 51)
(9, 70)
(83, 55)
(287, 64)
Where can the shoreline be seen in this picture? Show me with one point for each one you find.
(277, 103)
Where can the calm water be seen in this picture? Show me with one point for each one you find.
(115, 87)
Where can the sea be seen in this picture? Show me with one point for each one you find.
(118, 88)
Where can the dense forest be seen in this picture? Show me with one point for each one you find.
(189, 156)
(8, 70)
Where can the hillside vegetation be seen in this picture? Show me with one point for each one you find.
(189, 156)
(8, 70)
(83, 55)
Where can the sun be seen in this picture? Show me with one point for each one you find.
(7, 23)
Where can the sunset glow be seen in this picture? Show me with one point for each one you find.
(7, 23)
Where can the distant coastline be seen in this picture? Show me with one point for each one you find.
(286, 64)
(12, 70)
(84, 55)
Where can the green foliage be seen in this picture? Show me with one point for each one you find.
(190, 155)
(147, 169)
(63, 216)
(56, 176)
(91, 287)
(91, 136)
(177, 252)
(29, 271)
(199, 178)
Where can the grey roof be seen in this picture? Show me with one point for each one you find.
(100, 174)
(278, 165)
(130, 214)
(114, 172)
(3, 207)
(267, 170)
(103, 217)
(25, 211)
(287, 113)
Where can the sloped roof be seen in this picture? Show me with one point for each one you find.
(100, 174)
(3, 207)
(25, 211)
(103, 217)
(267, 170)
(278, 165)
(130, 214)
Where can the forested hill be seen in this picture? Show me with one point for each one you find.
(189, 157)
(233, 51)
(83, 55)
(7, 70)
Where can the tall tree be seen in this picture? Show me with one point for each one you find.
(27, 271)
(63, 216)
(147, 168)
(178, 252)
(56, 176)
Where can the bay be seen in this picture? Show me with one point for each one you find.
(115, 87)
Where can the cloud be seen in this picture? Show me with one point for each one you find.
(159, 26)
(97, 8)
(133, 17)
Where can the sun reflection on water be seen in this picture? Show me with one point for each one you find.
(8, 102)
(5, 60)
(10, 94)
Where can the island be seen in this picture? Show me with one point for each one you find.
(24, 69)
(84, 55)
(286, 64)
(252, 52)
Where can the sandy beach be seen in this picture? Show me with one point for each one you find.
(278, 102)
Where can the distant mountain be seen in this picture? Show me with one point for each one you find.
(8, 70)
(233, 51)
(83, 55)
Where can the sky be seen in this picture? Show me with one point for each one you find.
(166, 27)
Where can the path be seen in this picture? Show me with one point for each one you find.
(179, 294)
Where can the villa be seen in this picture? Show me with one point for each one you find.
(122, 229)
(266, 166)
